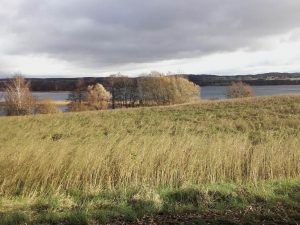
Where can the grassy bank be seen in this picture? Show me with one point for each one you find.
(228, 203)
(160, 149)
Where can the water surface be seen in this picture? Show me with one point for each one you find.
(207, 92)
(219, 92)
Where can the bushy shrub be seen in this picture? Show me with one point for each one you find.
(239, 90)
(159, 89)
(98, 97)
(47, 107)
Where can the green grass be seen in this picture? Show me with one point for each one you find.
(277, 200)
(84, 167)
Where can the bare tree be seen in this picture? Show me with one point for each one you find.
(18, 97)
(123, 90)
(78, 95)
(113, 87)
(98, 97)
(239, 90)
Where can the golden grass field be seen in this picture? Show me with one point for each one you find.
(208, 162)
(237, 141)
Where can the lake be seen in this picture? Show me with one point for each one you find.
(219, 92)
(207, 92)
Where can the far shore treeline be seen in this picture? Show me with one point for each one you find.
(69, 84)
(153, 89)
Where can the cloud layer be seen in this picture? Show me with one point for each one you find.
(99, 34)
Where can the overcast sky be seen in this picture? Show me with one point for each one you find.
(102, 37)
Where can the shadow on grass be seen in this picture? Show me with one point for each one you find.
(13, 218)
(213, 204)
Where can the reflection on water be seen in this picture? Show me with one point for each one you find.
(207, 92)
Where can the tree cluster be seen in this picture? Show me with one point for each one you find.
(119, 91)
(93, 97)
(159, 89)
(124, 91)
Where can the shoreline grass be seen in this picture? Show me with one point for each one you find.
(55, 102)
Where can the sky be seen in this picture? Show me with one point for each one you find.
(66, 38)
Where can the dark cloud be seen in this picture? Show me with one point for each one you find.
(96, 33)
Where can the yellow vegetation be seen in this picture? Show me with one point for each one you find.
(221, 141)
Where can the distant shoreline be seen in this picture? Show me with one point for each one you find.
(69, 84)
